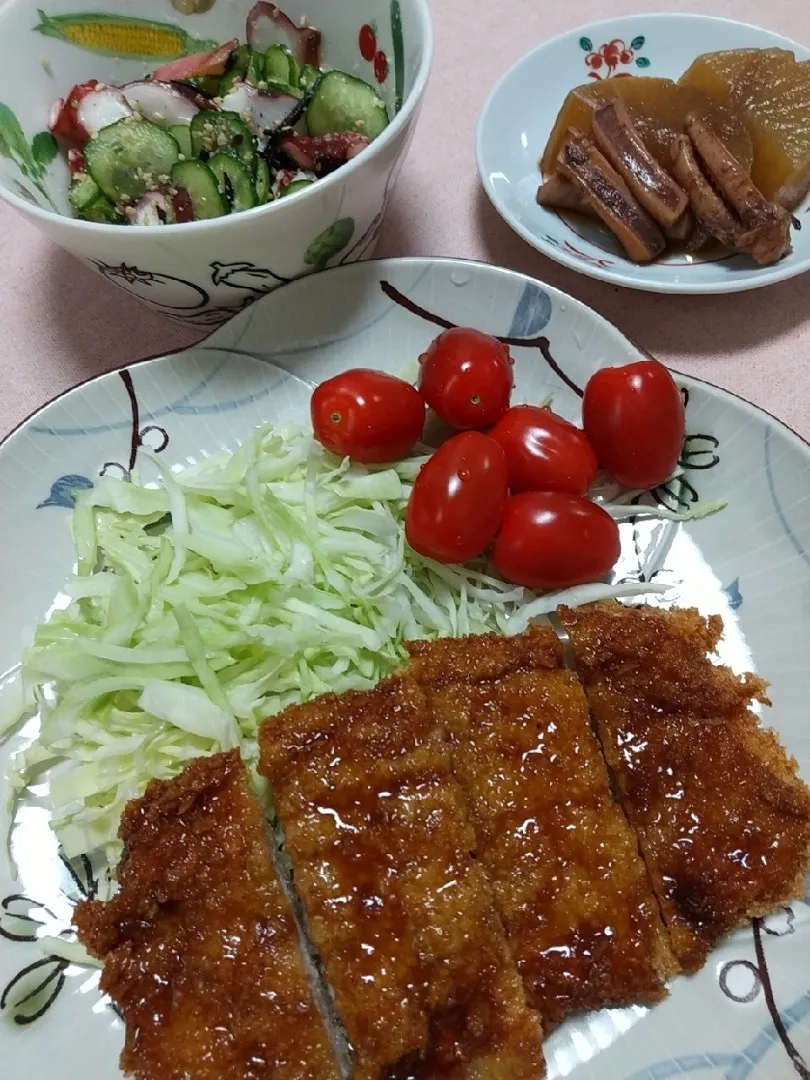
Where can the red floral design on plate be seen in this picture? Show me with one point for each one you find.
(380, 66)
(568, 246)
(604, 62)
(367, 41)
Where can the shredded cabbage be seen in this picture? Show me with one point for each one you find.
(238, 586)
(72, 951)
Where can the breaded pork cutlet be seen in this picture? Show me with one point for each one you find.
(381, 845)
(574, 895)
(201, 953)
(722, 818)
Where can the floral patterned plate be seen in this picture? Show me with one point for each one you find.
(747, 1014)
(518, 117)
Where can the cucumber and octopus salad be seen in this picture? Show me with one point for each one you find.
(215, 133)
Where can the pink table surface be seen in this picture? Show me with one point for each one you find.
(60, 324)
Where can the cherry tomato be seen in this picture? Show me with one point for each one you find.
(634, 419)
(544, 452)
(458, 499)
(367, 42)
(367, 415)
(553, 540)
(466, 378)
(65, 114)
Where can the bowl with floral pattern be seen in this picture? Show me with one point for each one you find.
(202, 271)
(518, 118)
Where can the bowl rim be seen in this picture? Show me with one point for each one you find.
(627, 276)
(409, 105)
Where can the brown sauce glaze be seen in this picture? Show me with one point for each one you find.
(201, 953)
(572, 891)
(381, 847)
(722, 818)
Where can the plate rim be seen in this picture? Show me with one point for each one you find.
(405, 260)
(626, 280)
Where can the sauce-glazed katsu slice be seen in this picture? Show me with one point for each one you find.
(722, 818)
(403, 917)
(574, 895)
(201, 953)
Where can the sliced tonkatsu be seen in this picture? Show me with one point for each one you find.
(574, 895)
(401, 913)
(201, 953)
(722, 818)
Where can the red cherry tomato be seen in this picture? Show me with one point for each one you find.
(466, 378)
(367, 42)
(544, 452)
(65, 114)
(553, 540)
(367, 415)
(634, 419)
(458, 499)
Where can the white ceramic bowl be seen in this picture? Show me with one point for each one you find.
(201, 272)
(519, 115)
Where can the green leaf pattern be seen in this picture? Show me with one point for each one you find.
(32, 159)
(13, 135)
(44, 148)
(331, 241)
(399, 54)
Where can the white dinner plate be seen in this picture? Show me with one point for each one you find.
(520, 112)
(747, 1014)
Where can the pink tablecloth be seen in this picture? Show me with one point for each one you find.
(61, 324)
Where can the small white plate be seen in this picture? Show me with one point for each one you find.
(519, 115)
(746, 1015)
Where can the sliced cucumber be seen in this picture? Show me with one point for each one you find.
(307, 77)
(182, 134)
(206, 84)
(236, 70)
(282, 87)
(343, 103)
(83, 190)
(239, 60)
(88, 202)
(201, 184)
(255, 71)
(234, 181)
(262, 182)
(214, 131)
(101, 210)
(296, 185)
(228, 81)
(130, 157)
(279, 63)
